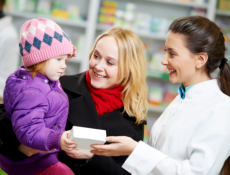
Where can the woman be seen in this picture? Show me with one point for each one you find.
(111, 95)
(192, 136)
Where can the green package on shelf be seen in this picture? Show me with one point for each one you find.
(158, 74)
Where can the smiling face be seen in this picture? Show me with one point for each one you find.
(55, 67)
(103, 64)
(180, 62)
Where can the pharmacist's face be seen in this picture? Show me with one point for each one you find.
(103, 64)
(55, 67)
(179, 60)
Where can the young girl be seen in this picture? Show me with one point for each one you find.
(192, 136)
(34, 100)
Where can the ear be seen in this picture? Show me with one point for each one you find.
(201, 60)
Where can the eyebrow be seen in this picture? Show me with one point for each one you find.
(171, 49)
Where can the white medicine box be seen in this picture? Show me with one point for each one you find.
(84, 137)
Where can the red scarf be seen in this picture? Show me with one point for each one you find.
(105, 100)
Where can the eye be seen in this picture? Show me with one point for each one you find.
(165, 50)
(110, 63)
(95, 56)
(172, 54)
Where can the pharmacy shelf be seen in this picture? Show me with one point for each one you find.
(223, 13)
(155, 36)
(75, 60)
(158, 75)
(69, 22)
(178, 3)
(157, 109)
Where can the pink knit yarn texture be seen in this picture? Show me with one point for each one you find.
(42, 39)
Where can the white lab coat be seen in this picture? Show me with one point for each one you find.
(9, 50)
(191, 137)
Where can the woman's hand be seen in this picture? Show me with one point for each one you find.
(30, 151)
(122, 146)
(66, 143)
(80, 154)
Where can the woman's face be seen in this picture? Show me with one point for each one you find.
(103, 64)
(179, 61)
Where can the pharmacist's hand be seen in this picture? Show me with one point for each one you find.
(121, 146)
(30, 151)
(74, 53)
(80, 154)
(66, 143)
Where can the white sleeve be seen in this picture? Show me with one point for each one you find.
(207, 151)
(9, 56)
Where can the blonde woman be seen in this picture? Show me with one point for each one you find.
(111, 95)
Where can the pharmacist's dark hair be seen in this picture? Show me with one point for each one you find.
(203, 35)
(2, 3)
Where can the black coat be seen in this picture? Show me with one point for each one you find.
(82, 112)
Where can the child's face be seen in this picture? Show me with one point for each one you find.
(103, 64)
(179, 60)
(55, 67)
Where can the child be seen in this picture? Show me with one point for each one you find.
(35, 102)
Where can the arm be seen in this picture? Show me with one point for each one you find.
(207, 151)
(28, 121)
(9, 142)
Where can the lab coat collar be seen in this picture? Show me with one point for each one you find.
(203, 89)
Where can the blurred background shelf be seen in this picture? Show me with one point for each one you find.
(186, 4)
(157, 109)
(158, 75)
(104, 27)
(28, 15)
(223, 12)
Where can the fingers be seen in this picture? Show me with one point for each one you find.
(103, 147)
(101, 153)
(113, 139)
(66, 143)
(47, 151)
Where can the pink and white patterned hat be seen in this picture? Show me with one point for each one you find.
(42, 39)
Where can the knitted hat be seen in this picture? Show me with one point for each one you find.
(42, 39)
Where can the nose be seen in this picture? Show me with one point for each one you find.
(165, 60)
(64, 65)
(99, 66)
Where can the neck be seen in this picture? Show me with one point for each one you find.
(196, 79)
(1, 14)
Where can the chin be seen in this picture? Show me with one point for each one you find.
(96, 86)
(172, 80)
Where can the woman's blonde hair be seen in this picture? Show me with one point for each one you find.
(37, 68)
(132, 71)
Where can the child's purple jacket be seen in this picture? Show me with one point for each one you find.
(38, 110)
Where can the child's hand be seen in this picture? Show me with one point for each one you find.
(66, 143)
(74, 52)
(30, 151)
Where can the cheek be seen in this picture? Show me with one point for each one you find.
(91, 63)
